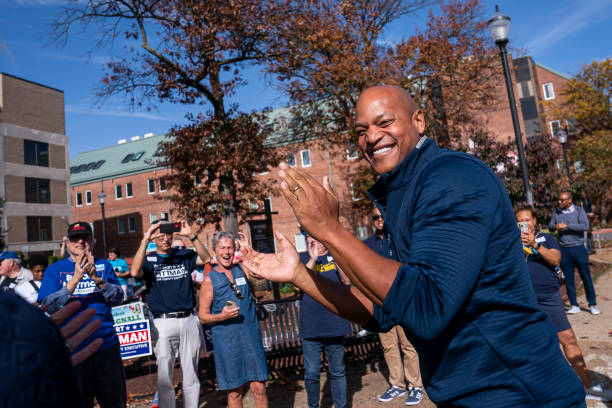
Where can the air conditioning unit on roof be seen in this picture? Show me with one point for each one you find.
(135, 138)
(150, 134)
(121, 141)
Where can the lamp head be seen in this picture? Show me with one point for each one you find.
(102, 197)
(499, 27)
(562, 136)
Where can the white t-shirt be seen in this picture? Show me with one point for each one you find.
(27, 291)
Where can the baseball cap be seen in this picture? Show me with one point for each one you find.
(79, 228)
(9, 255)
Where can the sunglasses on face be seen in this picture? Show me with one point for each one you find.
(180, 247)
(377, 217)
(236, 291)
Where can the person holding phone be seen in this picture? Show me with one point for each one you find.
(543, 255)
(226, 303)
(171, 300)
(91, 281)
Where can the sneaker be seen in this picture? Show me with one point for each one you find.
(391, 393)
(415, 396)
(594, 310)
(573, 310)
(597, 392)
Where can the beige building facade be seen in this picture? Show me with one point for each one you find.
(34, 171)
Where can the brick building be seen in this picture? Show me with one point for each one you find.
(114, 168)
(34, 176)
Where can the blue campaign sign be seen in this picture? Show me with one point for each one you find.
(208, 344)
(134, 339)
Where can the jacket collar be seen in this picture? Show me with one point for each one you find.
(403, 174)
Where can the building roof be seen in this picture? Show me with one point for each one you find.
(117, 160)
(553, 71)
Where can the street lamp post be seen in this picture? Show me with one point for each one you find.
(562, 136)
(499, 27)
(102, 200)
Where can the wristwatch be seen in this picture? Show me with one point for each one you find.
(538, 245)
(193, 238)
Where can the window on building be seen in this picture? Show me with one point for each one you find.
(35, 153)
(549, 91)
(300, 243)
(118, 192)
(37, 190)
(152, 218)
(352, 152)
(305, 155)
(88, 197)
(164, 216)
(269, 201)
(132, 224)
(555, 126)
(291, 159)
(128, 190)
(162, 184)
(120, 225)
(151, 186)
(79, 199)
(39, 229)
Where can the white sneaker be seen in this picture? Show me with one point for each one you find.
(573, 310)
(597, 392)
(594, 310)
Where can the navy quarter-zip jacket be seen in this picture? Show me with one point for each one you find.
(463, 294)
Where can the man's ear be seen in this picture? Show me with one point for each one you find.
(418, 121)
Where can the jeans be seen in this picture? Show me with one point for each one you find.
(577, 256)
(334, 349)
(102, 376)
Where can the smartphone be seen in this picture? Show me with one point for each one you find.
(170, 227)
(523, 226)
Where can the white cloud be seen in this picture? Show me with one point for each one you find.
(117, 112)
(97, 59)
(568, 21)
(4, 49)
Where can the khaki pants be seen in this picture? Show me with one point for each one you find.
(406, 374)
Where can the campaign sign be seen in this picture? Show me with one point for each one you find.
(133, 330)
(132, 312)
(208, 343)
(134, 339)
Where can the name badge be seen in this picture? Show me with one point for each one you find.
(330, 259)
(240, 281)
(152, 258)
(100, 268)
(539, 240)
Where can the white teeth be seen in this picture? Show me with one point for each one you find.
(381, 151)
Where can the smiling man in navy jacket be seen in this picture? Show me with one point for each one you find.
(456, 281)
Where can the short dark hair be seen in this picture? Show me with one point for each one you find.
(115, 251)
(569, 193)
(524, 207)
(38, 259)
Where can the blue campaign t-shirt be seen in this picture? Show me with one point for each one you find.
(169, 280)
(120, 266)
(315, 320)
(543, 275)
(57, 275)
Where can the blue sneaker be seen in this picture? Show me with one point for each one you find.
(392, 393)
(415, 396)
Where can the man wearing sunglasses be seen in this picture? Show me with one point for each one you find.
(402, 375)
(171, 299)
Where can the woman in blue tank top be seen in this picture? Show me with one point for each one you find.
(226, 305)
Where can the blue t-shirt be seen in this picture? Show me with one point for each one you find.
(169, 280)
(543, 275)
(56, 277)
(315, 320)
(120, 266)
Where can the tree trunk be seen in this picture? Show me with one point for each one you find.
(228, 194)
(602, 211)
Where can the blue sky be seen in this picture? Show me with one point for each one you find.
(561, 34)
